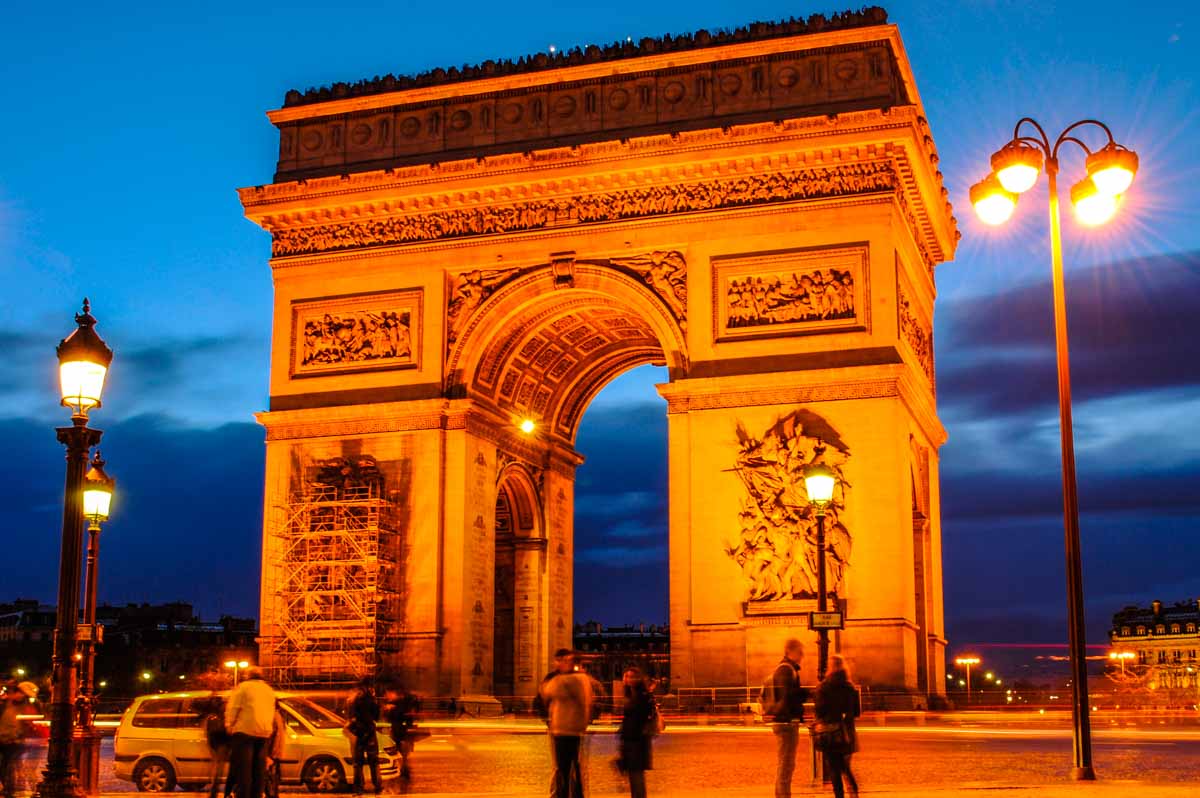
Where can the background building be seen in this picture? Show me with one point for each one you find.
(1163, 643)
(606, 652)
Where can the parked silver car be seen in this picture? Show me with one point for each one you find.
(160, 743)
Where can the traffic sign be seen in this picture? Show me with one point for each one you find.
(826, 620)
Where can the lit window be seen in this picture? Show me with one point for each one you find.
(1160, 629)
(1191, 627)
(1174, 628)
(1141, 630)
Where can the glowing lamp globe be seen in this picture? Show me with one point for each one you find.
(993, 203)
(97, 491)
(1092, 206)
(1017, 166)
(819, 480)
(1112, 169)
(83, 361)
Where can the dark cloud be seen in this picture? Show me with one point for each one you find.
(187, 517)
(621, 515)
(1130, 328)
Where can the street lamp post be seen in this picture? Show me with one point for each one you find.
(819, 480)
(83, 362)
(97, 499)
(1110, 172)
(1121, 657)
(236, 666)
(967, 662)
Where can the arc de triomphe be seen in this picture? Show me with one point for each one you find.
(456, 253)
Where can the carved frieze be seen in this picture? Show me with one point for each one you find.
(812, 183)
(776, 539)
(791, 293)
(916, 334)
(355, 333)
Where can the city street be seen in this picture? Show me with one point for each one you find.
(477, 759)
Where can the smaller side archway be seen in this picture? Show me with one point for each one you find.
(519, 638)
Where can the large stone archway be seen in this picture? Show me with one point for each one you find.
(759, 212)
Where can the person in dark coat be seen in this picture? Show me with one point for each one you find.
(218, 745)
(785, 707)
(364, 720)
(635, 737)
(837, 702)
(401, 708)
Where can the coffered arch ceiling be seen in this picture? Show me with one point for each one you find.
(560, 352)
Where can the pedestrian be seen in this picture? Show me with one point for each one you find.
(364, 722)
(275, 755)
(218, 745)
(14, 699)
(639, 726)
(249, 718)
(784, 705)
(569, 699)
(401, 711)
(837, 705)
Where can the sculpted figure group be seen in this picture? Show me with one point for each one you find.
(821, 294)
(776, 545)
(357, 336)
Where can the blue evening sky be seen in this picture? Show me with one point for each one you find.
(128, 126)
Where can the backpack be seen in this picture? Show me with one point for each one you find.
(766, 694)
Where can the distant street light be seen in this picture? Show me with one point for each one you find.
(1110, 171)
(819, 481)
(83, 361)
(1122, 657)
(236, 666)
(967, 662)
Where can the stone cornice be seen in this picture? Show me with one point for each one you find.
(349, 420)
(395, 207)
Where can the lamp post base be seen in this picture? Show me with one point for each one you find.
(1083, 774)
(86, 753)
(61, 784)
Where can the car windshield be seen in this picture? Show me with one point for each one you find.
(317, 716)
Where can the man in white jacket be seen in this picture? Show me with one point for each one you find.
(569, 696)
(249, 717)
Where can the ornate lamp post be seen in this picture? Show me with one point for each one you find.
(819, 480)
(83, 363)
(97, 499)
(1110, 172)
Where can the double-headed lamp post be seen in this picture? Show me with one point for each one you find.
(967, 662)
(1121, 657)
(819, 481)
(236, 665)
(1110, 171)
(83, 363)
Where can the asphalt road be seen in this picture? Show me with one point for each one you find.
(488, 760)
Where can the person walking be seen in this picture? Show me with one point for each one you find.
(784, 705)
(13, 699)
(364, 722)
(401, 711)
(639, 725)
(218, 746)
(249, 718)
(836, 706)
(569, 699)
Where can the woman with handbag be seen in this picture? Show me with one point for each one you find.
(639, 725)
(836, 707)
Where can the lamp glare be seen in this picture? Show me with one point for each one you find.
(1092, 207)
(992, 202)
(527, 426)
(819, 480)
(1017, 178)
(1112, 169)
(1017, 166)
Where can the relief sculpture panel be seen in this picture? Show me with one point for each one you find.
(355, 333)
(788, 293)
(775, 543)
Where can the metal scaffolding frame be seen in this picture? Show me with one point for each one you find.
(336, 598)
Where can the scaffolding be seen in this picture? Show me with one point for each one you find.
(337, 585)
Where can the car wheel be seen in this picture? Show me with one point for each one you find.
(324, 774)
(154, 775)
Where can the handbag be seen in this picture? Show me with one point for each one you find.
(655, 723)
(831, 737)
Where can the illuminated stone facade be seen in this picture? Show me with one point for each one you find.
(762, 214)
